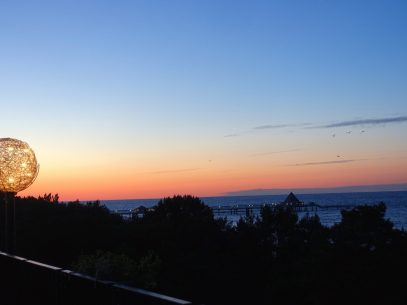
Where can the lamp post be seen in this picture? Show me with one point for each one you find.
(18, 170)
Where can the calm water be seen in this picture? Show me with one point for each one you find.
(396, 203)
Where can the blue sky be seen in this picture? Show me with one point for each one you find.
(142, 75)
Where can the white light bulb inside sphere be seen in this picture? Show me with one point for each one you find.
(18, 165)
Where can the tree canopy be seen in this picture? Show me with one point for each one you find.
(181, 249)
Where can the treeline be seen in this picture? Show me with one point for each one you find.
(182, 250)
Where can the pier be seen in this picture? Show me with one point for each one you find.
(247, 209)
(254, 209)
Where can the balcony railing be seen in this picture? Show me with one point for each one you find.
(28, 282)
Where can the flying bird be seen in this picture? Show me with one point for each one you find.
(349, 132)
(362, 131)
(334, 135)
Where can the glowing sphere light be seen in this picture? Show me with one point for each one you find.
(18, 165)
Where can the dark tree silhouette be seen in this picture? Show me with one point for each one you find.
(180, 248)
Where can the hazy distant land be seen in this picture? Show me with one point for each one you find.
(342, 189)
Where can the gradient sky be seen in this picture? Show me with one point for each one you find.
(144, 99)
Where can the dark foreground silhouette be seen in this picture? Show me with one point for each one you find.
(181, 250)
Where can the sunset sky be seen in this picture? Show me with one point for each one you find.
(145, 99)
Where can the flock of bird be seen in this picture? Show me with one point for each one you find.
(348, 132)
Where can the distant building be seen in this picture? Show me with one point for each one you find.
(292, 200)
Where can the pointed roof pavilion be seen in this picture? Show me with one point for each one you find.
(292, 200)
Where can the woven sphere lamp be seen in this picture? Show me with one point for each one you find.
(18, 170)
(18, 165)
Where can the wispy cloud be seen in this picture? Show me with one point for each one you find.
(365, 122)
(275, 152)
(308, 125)
(172, 171)
(276, 126)
(323, 163)
(259, 128)
(231, 135)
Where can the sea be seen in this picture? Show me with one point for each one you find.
(396, 203)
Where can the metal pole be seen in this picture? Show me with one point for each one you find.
(6, 225)
(2, 212)
(10, 222)
(14, 225)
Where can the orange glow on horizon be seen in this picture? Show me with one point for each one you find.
(117, 183)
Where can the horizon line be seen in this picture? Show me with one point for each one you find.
(365, 188)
